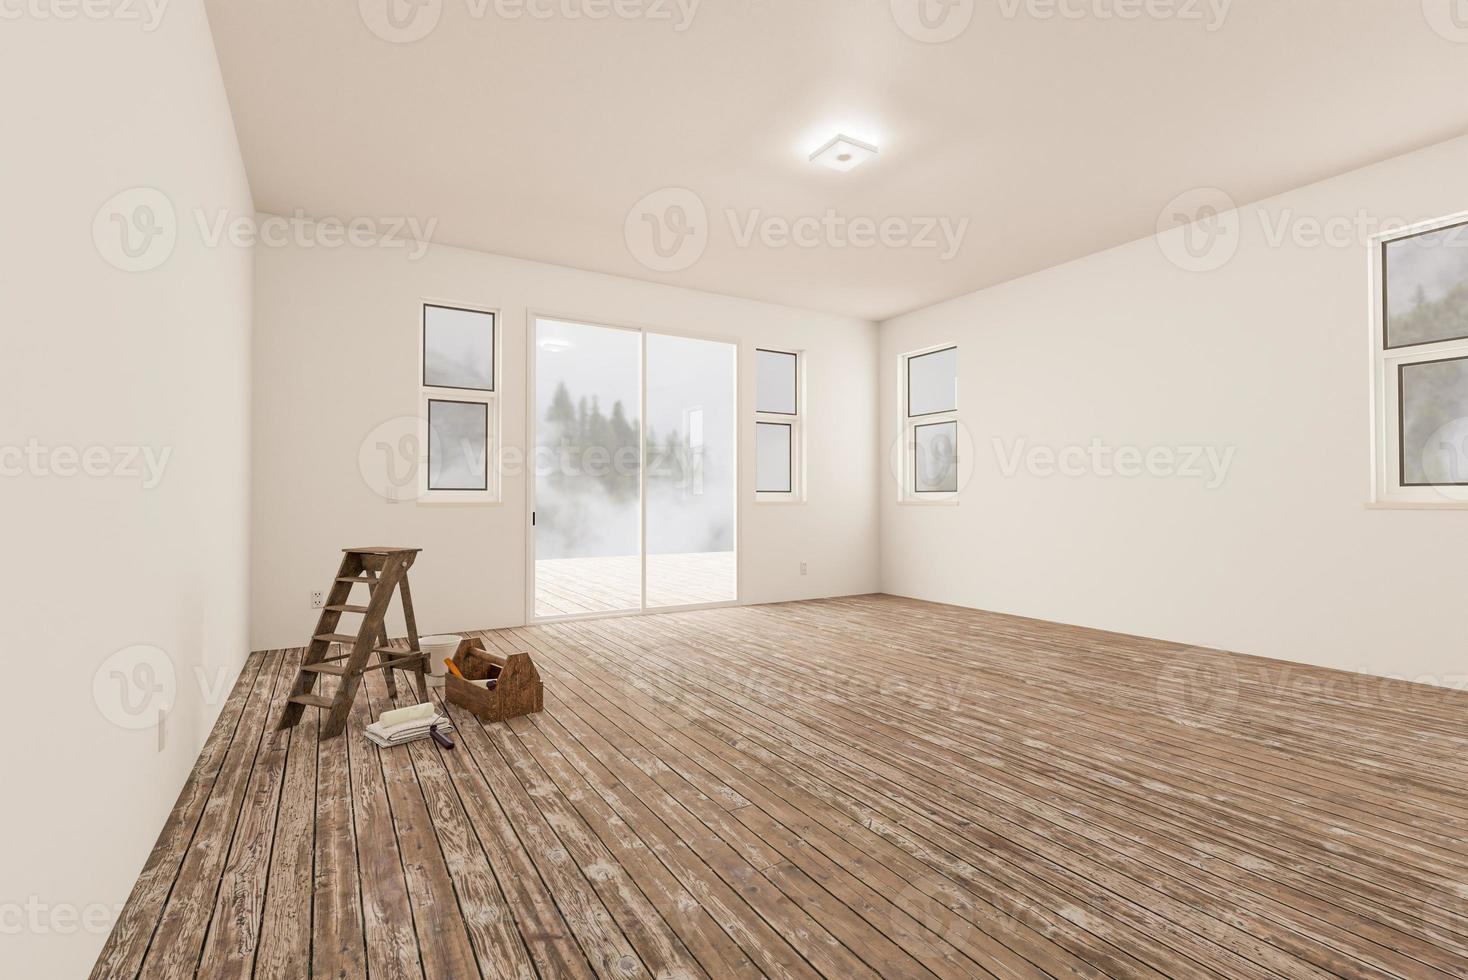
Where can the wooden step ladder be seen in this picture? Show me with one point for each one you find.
(384, 571)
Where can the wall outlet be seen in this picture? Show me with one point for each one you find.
(318, 599)
(802, 568)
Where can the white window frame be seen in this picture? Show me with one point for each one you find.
(491, 494)
(796, 422)
(906, 467)
(1386, 364)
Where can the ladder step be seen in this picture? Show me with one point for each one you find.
(350, 609)
(314, 700)
(355, 578)
(326, 668)
(380, 551)
(334, 638)
(402, 662)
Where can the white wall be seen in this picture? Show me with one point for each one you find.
(103, 359)
(336, 356)
(1267, 356)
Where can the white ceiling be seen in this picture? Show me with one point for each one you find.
(1054, 137)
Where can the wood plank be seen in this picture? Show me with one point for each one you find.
(286, 927)
(387, 913)
(338, 946)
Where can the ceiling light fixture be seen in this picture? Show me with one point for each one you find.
(844, 153)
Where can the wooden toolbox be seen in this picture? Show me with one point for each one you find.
(517, 689)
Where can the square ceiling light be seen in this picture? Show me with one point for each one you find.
(844, 153)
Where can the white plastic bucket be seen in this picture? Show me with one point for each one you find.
(439, 648)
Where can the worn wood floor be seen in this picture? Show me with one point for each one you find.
(863, 787)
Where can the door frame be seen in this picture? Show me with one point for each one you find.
(533, 314)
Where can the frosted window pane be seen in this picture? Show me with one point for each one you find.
(458, 348)
(1435, 423)
(772, 457)
(1427, 287)
(932, 382)
(458, 434)
(774, 382)
(935, 458)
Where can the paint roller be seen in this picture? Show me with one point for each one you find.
(398, 716)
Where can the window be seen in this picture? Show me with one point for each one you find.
(778, 425)
(930, 424)
(459, 405)
(1419, 331)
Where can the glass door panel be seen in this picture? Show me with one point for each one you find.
(690, 471)
(587, 469)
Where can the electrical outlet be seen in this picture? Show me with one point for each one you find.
(318, 599)
(802, 568)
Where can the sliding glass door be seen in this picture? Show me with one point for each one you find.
(634, 484)
(588, 469)
(690, 471)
